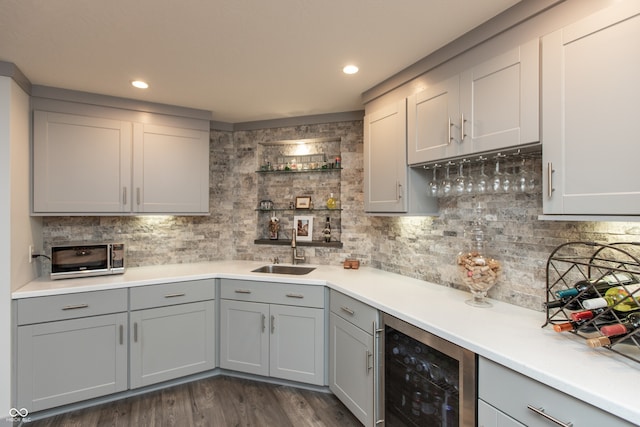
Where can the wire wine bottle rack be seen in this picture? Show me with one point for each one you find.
(578, 261)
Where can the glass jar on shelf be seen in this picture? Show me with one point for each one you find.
(477, 271)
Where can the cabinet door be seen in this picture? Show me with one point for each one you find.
(385, 157)
(80, 164)
(297, 344)
(171, 342)
(500, 101)
(244, 338)
(590, 92)
(71, 360)
(171, 170)
(351, 368)
(488, 416)
(431, 123)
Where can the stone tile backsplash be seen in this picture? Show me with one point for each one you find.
(423, 248)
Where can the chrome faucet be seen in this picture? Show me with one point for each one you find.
(294, 255)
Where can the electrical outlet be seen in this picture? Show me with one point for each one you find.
(30, 254)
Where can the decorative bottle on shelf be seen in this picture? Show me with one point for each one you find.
(331, 202)
(478, 271)
(326, 232)
(618, 297)
(591, 286)
(274, 226)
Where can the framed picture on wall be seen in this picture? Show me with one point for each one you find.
(303, 202)
(304, 227)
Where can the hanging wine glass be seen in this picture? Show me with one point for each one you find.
(496, 179)
(481, 185)
(521, 181)
(434, 184)
(507, 177)
(446, 185)
(470, 181)
(460, 183)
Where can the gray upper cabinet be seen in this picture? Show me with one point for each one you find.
(590, 92)
(89, 164)
(490, 106)
(390, 186)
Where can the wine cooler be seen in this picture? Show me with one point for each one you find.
(425, 380)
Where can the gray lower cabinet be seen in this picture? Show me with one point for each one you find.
(509, 399)
(273, 329)
(352, 355)
(171, 331)
(71, 348)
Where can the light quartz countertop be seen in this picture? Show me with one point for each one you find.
(505, 333)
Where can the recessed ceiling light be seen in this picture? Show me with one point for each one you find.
(139, 84)
(350, 69)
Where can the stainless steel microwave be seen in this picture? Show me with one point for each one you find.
(87, 259)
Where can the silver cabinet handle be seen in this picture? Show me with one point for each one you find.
(75, 307)
(399, 190)
(295, 296)
(138, 196)
(540, 411)
(135, 332)
(124, 195)
(264, 321)
(121, 334)
(242, 291)
(549, 179)
(368, 356)
(462, 122)
(377, 384)
(273, 323)
(348, 310)
(449, 137)
(174, 295)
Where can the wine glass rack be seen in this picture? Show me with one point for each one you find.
(572, 262)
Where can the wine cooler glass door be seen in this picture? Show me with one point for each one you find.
(427, 381)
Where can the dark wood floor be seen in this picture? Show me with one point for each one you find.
(218, 402)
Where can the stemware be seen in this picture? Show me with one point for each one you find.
(445, 185)
(460, 183)
(496, 179)
(481, 185)
(521, 180)
(434, 184)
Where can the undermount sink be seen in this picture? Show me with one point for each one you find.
(283, 269)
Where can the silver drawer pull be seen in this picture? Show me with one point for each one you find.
(174, 295)
(540, 411)
(295, 296)
(121, 334)
(348, 310)
(75, 307)
(242, 291)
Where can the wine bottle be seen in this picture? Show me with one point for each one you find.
(630, 323)
(564, 302)
(597, 287)
(586, 314)
(618, 297)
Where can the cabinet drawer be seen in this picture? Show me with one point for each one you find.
(511, 393)
(171, 293)
(70, 306)
(354, 311)
(273, 293)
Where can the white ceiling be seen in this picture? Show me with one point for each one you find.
(243, 60)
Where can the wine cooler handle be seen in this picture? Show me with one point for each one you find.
(540, 411)
(377, 385)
